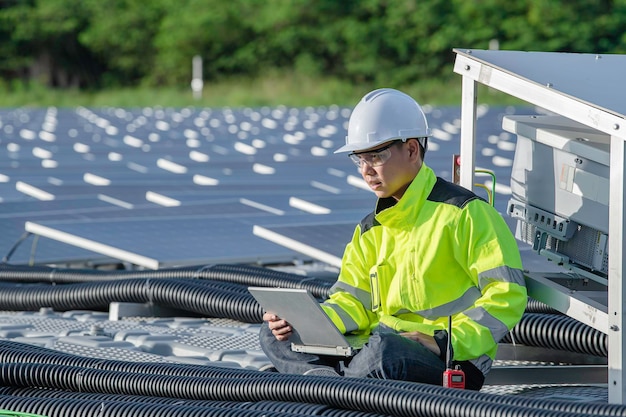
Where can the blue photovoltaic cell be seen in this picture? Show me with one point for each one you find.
(180, 240)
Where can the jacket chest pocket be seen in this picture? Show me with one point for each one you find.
(379, 285)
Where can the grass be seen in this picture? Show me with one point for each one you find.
(271, 90)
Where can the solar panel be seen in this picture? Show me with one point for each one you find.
(324, 242)
(158, 242)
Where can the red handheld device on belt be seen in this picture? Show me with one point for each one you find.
(452, 378)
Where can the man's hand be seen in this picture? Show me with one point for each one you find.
(424, 339)
(279, 327)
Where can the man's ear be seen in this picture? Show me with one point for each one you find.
(414, 149)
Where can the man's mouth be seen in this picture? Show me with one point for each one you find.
(374, 184)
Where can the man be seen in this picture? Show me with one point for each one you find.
(431, 250)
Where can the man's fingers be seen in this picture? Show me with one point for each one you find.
(270, 317)
(279, 326)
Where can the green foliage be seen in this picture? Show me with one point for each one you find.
(218, 31)
(44, 35)
(121, 37)
(117, 43)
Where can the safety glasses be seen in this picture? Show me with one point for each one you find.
(373, 158)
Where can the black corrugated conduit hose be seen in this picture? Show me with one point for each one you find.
(49, 393)
(298, 408)
(21, 352)
(220, 300)
(72, 407)
(247, 275)
(395, 398)
(57, 404)
(556, 331)
(534, 306)
(13, 352)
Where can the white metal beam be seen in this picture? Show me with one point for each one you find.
(468, 132)
(542, 96)
(617, 318)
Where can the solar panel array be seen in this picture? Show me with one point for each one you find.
(161, 187)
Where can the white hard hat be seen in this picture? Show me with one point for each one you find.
(383, 115)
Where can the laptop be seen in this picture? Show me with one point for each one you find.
(314, 332)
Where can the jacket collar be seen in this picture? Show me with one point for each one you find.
(392, 213)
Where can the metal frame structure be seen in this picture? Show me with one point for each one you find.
(589, 89)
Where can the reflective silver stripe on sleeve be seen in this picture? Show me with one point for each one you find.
(364, 297)
(501, 274)
(496, 327)
(483, 363)
(348, 322)
(460, 304)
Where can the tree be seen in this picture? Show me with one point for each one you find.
(44, 35)
(121, 34)
(218, 31)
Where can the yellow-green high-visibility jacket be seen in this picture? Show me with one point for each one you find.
(439, 251)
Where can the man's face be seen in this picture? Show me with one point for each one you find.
(402, 162)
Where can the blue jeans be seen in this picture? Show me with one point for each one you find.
(386, 355)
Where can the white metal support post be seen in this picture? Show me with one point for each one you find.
(617, 270)
(196, 82)
(468, 132)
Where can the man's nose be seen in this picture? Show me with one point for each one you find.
(366, 168)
